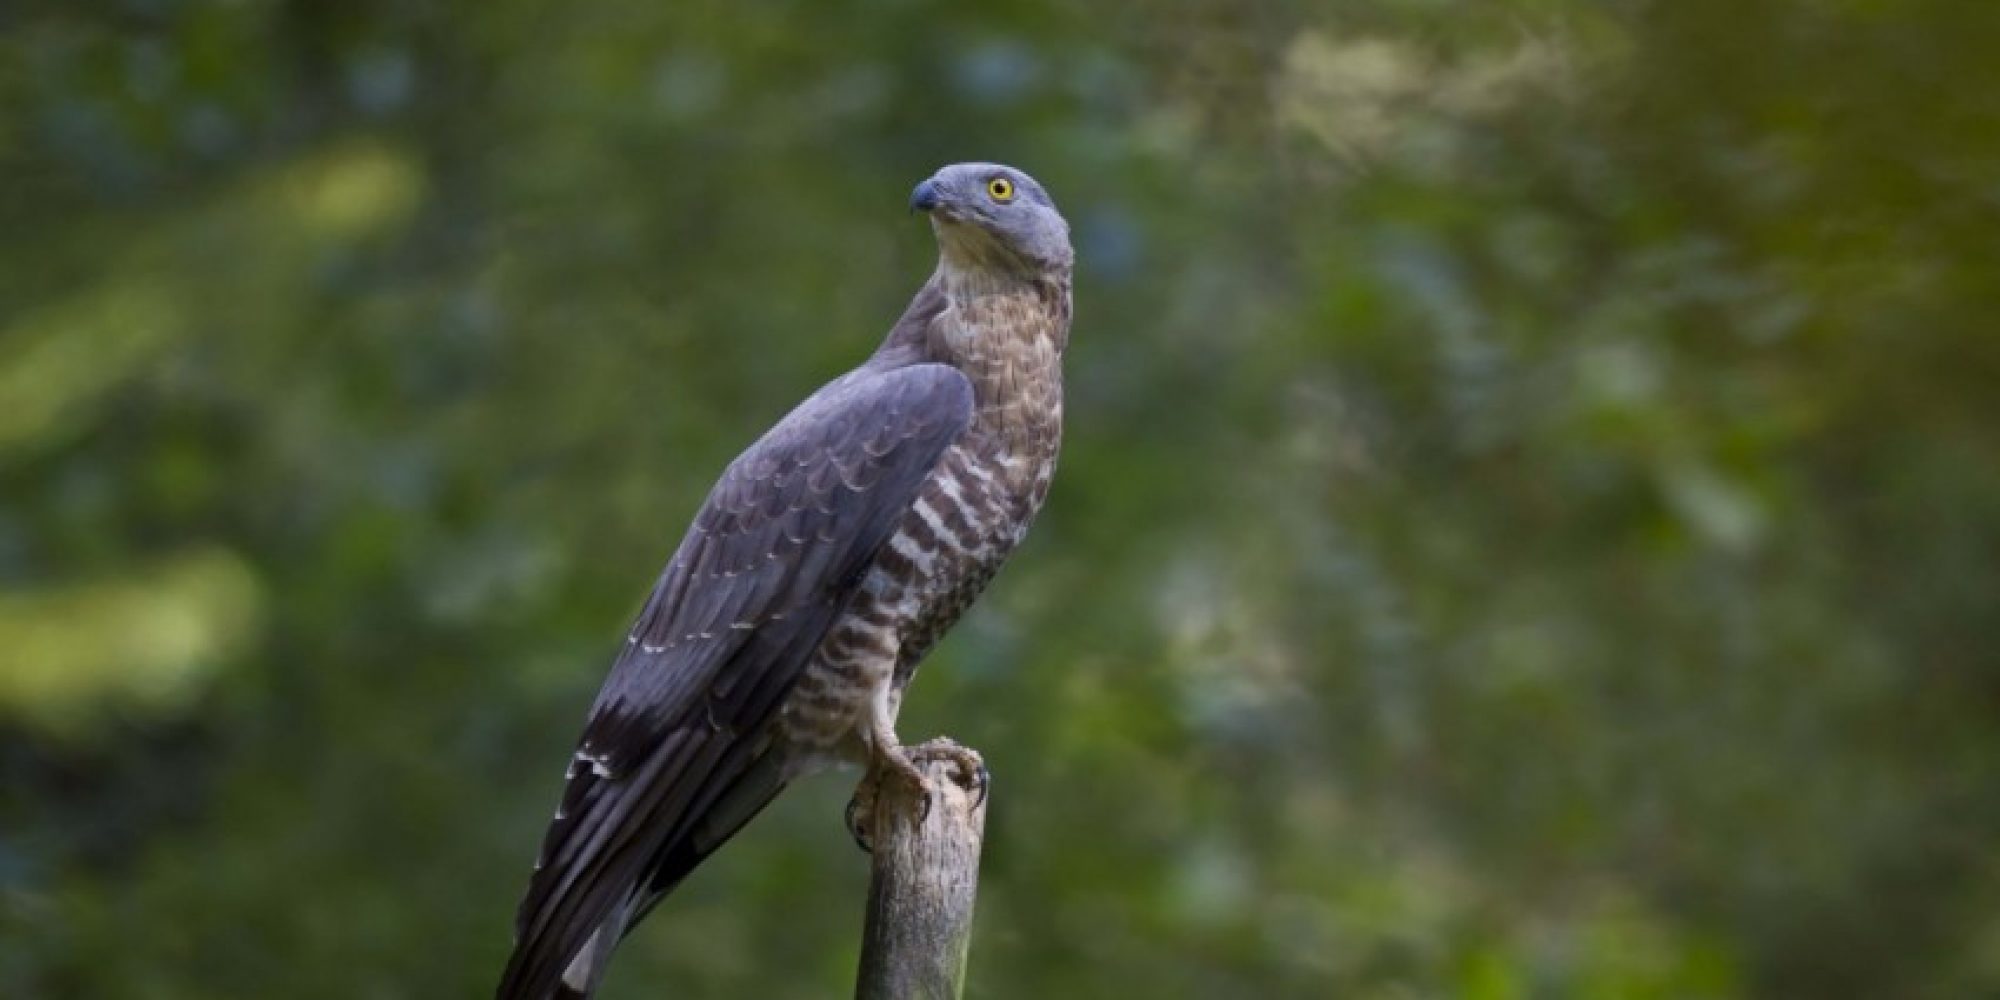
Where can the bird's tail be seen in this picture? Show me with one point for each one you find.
(586, 967)
(717, 816)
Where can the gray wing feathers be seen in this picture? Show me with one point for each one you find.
(774, 554)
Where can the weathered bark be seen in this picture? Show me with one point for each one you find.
(926, 873)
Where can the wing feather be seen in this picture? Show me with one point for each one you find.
(777, 550)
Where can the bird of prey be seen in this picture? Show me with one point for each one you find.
(829, 558)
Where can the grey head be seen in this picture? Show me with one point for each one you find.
(989, 215)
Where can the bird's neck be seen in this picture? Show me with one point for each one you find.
(1006, 330)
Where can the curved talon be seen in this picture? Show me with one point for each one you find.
(982, 779)
(855, 828)
(972, 774)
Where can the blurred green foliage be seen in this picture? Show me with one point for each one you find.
(1530, 524)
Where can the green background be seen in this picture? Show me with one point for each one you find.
(1529, 526)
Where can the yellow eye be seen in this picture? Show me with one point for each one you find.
(1001, 189)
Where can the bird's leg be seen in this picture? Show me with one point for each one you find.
(887, 761)
(892, 761)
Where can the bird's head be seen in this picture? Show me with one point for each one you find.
(988, 215)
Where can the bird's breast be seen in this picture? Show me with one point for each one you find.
(970, 513)
(967, 518)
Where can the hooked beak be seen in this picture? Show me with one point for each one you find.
(925, 197)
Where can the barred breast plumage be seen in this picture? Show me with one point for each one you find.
(968, 517)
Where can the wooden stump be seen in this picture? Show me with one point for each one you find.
(925, 878)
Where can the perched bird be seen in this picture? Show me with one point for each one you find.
(831, 556)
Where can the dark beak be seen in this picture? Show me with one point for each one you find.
(925, 197)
